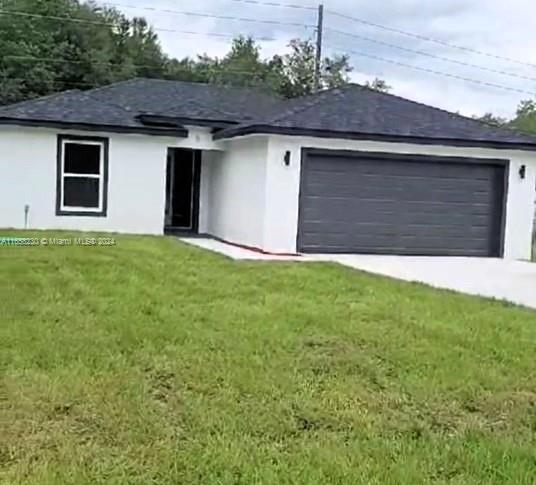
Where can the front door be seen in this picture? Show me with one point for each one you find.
(182, 189)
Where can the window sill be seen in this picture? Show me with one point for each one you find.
(77, 213)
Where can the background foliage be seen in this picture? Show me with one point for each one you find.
(42, 53)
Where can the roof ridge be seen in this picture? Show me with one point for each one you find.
(315, 99)
(117, 83)
(217, 110)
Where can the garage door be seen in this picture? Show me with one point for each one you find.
(357, 202)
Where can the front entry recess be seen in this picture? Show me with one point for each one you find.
(182, 190)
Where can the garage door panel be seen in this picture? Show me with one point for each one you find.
(396, 226)
(341, 178)
(402, 248)
(409, 229)
(373, 243)
(352, 185)
(463, 193)
(407, 169)
(400, 207)
(377, 210)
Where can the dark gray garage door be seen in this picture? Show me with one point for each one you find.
(356, 202)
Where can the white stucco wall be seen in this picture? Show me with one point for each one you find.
(236, 204)
(136, 188)
(248, 196)
(282, 190)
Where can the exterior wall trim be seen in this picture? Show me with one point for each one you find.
(403, 156)
(176, 132)
(59, 192)
(343, 135)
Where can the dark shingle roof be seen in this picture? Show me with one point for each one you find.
(365, 113)
(191, 100)
(70, 106)
(79, 109)
(352, 111)
(119, 105)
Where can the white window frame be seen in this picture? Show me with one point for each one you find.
(100, 176)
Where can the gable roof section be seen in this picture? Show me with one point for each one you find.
(357, 112)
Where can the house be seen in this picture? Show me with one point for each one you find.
(346, 170)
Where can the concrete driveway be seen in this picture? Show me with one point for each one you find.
(513, 281)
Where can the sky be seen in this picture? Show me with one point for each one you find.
(502, 29)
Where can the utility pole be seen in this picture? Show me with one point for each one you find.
(319, 31)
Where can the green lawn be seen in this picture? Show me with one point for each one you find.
(157, 363)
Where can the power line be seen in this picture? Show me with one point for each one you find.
(275, 4)
(86, 84)
(109, 24)
(73, 61)
(429, 39)
(52, 81)
(362, 54)
(433, 56)
(112, 64)
(440, 73)
(216, 73)
(212, 16)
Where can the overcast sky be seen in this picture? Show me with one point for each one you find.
(498, 27)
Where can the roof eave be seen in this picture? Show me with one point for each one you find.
(274, 130)
(178, 132)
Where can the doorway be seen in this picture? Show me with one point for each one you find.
(182, 190)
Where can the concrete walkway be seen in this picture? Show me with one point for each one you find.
(513, 281)
(237, 252)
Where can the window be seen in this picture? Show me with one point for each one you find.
(82, 176)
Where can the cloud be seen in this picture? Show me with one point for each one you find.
(504, 29)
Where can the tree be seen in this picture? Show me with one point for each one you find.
(491, 119)
(190, 70)
(243, 67)
(526, 108)
(101, 47)
(297, 70)
(336, 71)
(378, 84)
(290, 75)
(525, 119)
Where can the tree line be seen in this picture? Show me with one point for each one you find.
(524, 120)
(42, 52)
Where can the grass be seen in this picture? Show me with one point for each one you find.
(157, 363)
